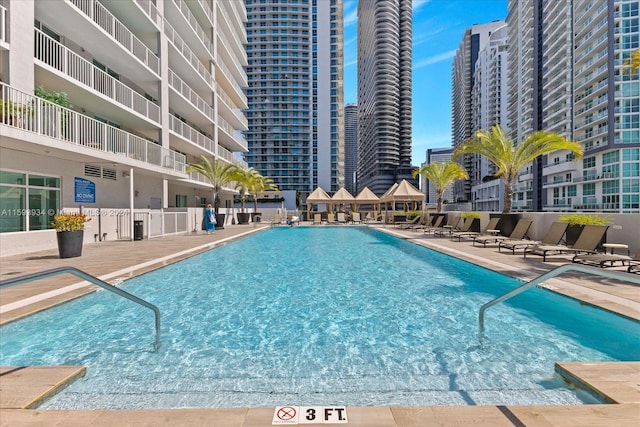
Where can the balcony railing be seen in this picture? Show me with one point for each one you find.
(228, 156)
(116, 29)
(188, 54)
(30, 113)
(189, 133)
(194, 99)
(72, 65)
(4, 19)
(193, 23)
(150, 10)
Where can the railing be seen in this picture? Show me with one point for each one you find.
(89, 278)
(191, 95)
(191, 134)
(195, 26)
(4, 19)
(225, 70)
(74, 66)
(550, 274)
(30, 113)
(191, 58)
(151, 11)
(116, 29)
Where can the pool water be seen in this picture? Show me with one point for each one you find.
(318, 316)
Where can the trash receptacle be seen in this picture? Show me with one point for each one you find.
(138, 230)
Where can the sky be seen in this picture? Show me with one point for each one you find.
(438, 27)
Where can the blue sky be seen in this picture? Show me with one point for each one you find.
(438, 27)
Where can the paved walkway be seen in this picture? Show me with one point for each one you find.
(116, 260)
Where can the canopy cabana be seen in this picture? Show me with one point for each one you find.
(403, 192)
(318, 196)
(368, 197)
(342, 196)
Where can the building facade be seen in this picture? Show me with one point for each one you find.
(384, 93)
(475, 39)
(140, 90)
(439, 155)
(295, 92)
(350, 147)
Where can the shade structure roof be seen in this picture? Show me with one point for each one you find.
(386, 196)
(367, 196)
(343, 196)
(318, 196)
(404, 192)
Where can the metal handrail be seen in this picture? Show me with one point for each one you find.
(79, 273)
(553, 273)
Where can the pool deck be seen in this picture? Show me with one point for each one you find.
(22, 387)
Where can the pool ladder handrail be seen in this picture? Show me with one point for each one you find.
(89, 278)
(620, 275)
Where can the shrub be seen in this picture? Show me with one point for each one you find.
(584, 219)
(65, 221)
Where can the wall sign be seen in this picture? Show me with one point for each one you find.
(84, 191)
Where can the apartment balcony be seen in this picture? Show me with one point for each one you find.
(560, 167)
(228, 156)
(186, 63)
(597, 177)
(230, 112)
(231, 79)
(187, 139)
(230, 137)
(59, 68)
(79, 135)
(599, 207)
(186, 101)
(237, 45)
(4, 28)
(191, 32)
(118, 47)
(556, 182)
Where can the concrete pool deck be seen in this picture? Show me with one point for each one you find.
(116, 260)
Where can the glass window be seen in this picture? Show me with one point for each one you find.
(589, 189)
(631, 154)
(611, 157)
(589, 162)
(38, 201)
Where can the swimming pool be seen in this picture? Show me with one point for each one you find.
(313, 316)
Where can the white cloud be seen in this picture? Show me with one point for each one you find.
(350, 63)
(434, 59)
(350, 12)
(417, 4)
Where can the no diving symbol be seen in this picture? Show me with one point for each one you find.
(286, 413)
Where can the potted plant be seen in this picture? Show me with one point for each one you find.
(219, 175)
(70, 233)
(475, 226)
(577, 222)
(243, 179)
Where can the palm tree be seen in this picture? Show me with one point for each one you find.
(218, 173)
(243, 179)
(258, 185)
(441, 175)
(509, 158)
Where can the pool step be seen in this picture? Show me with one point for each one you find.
(191, 390)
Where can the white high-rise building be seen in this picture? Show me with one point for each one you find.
(489, 107)
(295, 92)
(150, 87)
(475, 40)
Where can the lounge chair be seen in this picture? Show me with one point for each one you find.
(317, 218)
(355, 218)
(407, 224)
(601, 260)
(425, 220)
(437, 222)
(342, 218)
(331, 218)
(519, 231)
(552, 237)
(587, 242)
(493, 223)
(456, 225)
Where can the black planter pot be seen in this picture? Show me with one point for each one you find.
(475, 225)
(70, 243)
(507, 222)
(256, 216)
(572, 234)
(220, 221)
(243, 218)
